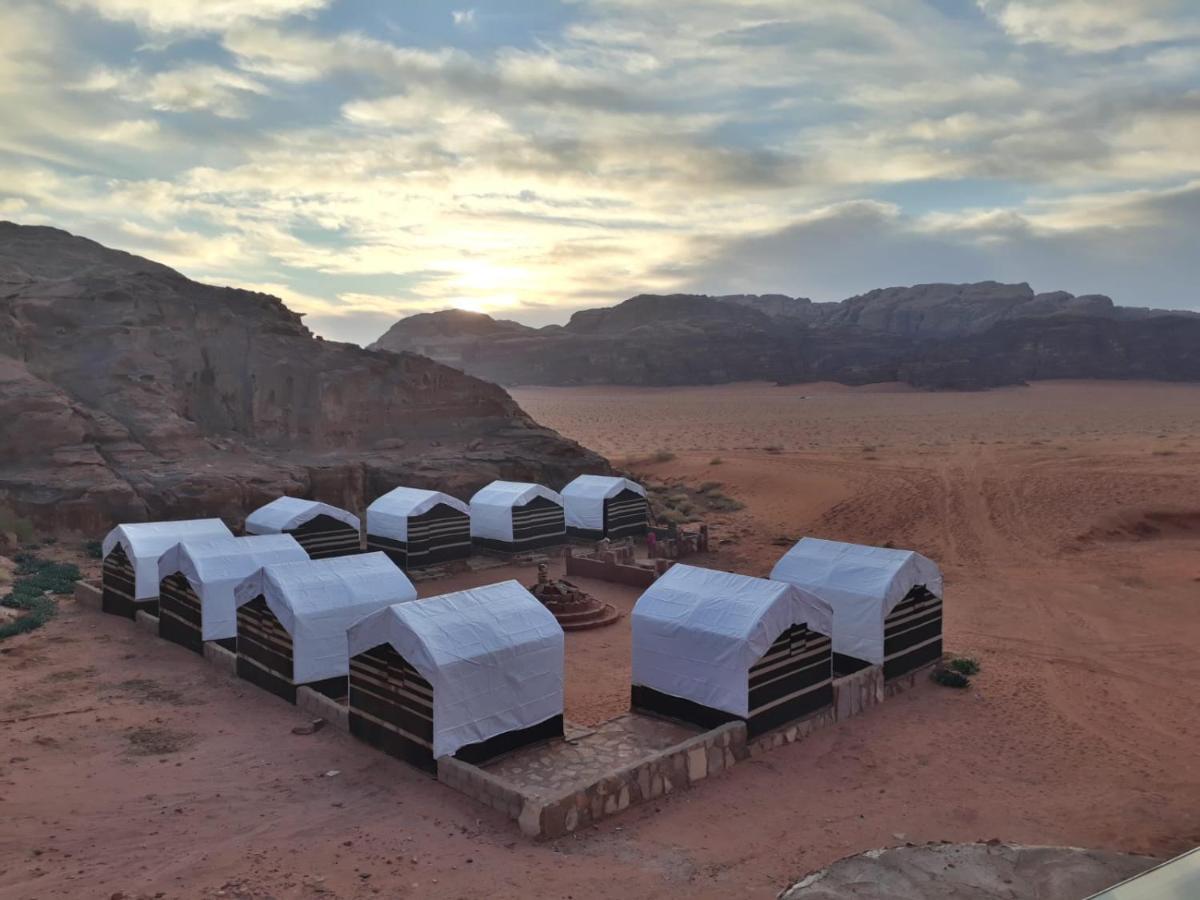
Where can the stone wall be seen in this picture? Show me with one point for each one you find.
(484, 787)
(856, 693)
(606, 568)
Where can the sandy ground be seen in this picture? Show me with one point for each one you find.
(1067, 520)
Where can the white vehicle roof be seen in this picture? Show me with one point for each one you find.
(493, 654)
(583, 498)
(697, 632)
(287, 513)
(215, 566)
(862, 584)
(388, 516)
(145, 542)
(317, 600)
(492, 506)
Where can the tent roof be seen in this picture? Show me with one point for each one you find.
(388, 516)
(287, 513)
(317, 600)
(214, 567)
(697, 632)
(601, 487)
(145, 542)
(863, 584)
(493, 654)
(507, 494)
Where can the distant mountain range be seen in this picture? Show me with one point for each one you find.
(129, 392)
(964, 336)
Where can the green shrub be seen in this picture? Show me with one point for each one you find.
(964, 665)
(94, 550)
(35, 580)
(950, 678)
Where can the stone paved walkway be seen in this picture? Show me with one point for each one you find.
(586, 754)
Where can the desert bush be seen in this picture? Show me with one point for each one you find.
(773, 448)
(964, 665)
(716, 461)
(662, 456)
(36, 580)
(950, 678)
(722, 503)
(708, 487)
(94, 550)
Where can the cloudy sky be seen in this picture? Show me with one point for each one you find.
(367, 159)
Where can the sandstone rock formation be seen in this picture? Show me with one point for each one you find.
(931, 335)
(130, 392)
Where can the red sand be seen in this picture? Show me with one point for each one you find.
(1066, 517)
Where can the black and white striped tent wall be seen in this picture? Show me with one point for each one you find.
(599, 506)
(129, 574)
(292, 619)
(887, 603)
(197, 579)
(471, 674)
(322, 530)
(711, 647)
(511, 517)
(417, 527)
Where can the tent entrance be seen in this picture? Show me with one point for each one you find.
(625, 514)
(118, 586)
(539, 523)
(391, 706)
(324, 536)
(179, 616)
(792, 679)
(912, 633)
(264, 650)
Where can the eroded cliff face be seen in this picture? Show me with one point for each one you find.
(931, 335)
(128, 391)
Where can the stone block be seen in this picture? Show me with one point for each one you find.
(146, 622)
(88, 595)
(716, 759)
(697, 764)
(223, 659)
(530, 819)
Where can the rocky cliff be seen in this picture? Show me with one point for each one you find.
(932, 335)
(130, 392)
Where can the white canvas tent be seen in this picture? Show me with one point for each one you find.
(697, 632)
(214, 567)
(492, 508)
(288, 513)
(583, 499)
(493, 656)
(388, 516)
(862, 584)
(144, 542)
(318, 600)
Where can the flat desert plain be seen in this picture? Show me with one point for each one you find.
(1066, 517)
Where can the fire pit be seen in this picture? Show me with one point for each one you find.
(575, 609)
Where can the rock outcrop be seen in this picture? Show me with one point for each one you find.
(931, 335)
(129, 392)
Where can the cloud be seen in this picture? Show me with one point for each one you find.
(1093, 26)
(464, 18)
(190, 88)
(555, 161)
(1132, 246)
(194, 15)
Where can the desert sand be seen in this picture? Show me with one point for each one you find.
(1066, 517)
